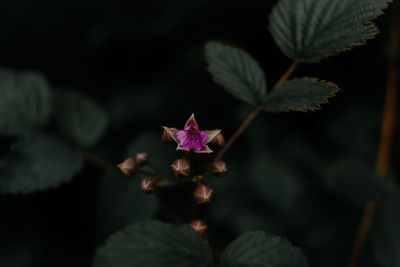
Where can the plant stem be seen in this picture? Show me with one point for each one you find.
(363, 229)
(153, 166)
(287, 74)
(385, 146)
(99, 163)
(235, 136)
(139, 170)
(248, 120)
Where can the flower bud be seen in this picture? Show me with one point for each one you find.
(203, 194)
(219, 140)
(181, 168)
(218, 168)
(127, 167)
(199, 226)
(168, 135)
(141, 158)
(148, 185)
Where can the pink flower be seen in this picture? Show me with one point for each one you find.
(191, 138)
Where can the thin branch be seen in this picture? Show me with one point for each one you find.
(248, 120)
(386, 142)
(99, 163)
(287, 74)
(363, 230)
(139, 170)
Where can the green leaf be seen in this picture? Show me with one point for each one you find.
(150, 142)
(309, 30)
(237, 71)
(276, 182)
(352, 179)
(300, 95)
(120, 203)
(154, 244)
(120, 200)
(80, 118)
(259, 249)
(386, 231)
(38, 163)
(25, 102)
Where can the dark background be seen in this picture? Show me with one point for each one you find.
(144, 62)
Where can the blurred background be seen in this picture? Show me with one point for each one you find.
(306, 176)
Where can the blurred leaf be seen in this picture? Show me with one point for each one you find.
(352, 179)
(260, 249)
(129, 103)
(361, 139)
(79, 117)
(275, 182)
(160, 154)
(309, 30)
(300, 95)
(237, 71)
(38, 163)
(25, 102)
(386, 231)
(152, 244)
(120, 203)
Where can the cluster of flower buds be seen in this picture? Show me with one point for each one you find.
(191, 138)
(199, 226)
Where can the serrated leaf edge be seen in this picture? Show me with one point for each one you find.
(306, 108)
(353, 45)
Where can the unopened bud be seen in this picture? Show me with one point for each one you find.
(148, 185)
(168, 135)
(218, 168)
(181, 167)
(199, 226)
(203, 194)
(127, 167)
(219, 140)
(141, 158)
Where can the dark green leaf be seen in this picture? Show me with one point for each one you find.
(80, 118)
(308, 30)
(276, 182)
(38, 163)
(154, 244)
(300, 95)
(259, 249)
(237, 71)
(352, 179)
(25, 102)
(386, 231)
(121, 202)
(159, 153)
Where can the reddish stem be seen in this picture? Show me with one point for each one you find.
(386, 142)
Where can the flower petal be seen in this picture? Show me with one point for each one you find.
(171, 132)
(181, 136)
(206, 150)
(211, 134)
(191, 121)
(181, 148)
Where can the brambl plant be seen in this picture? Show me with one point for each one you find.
(52, 131)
